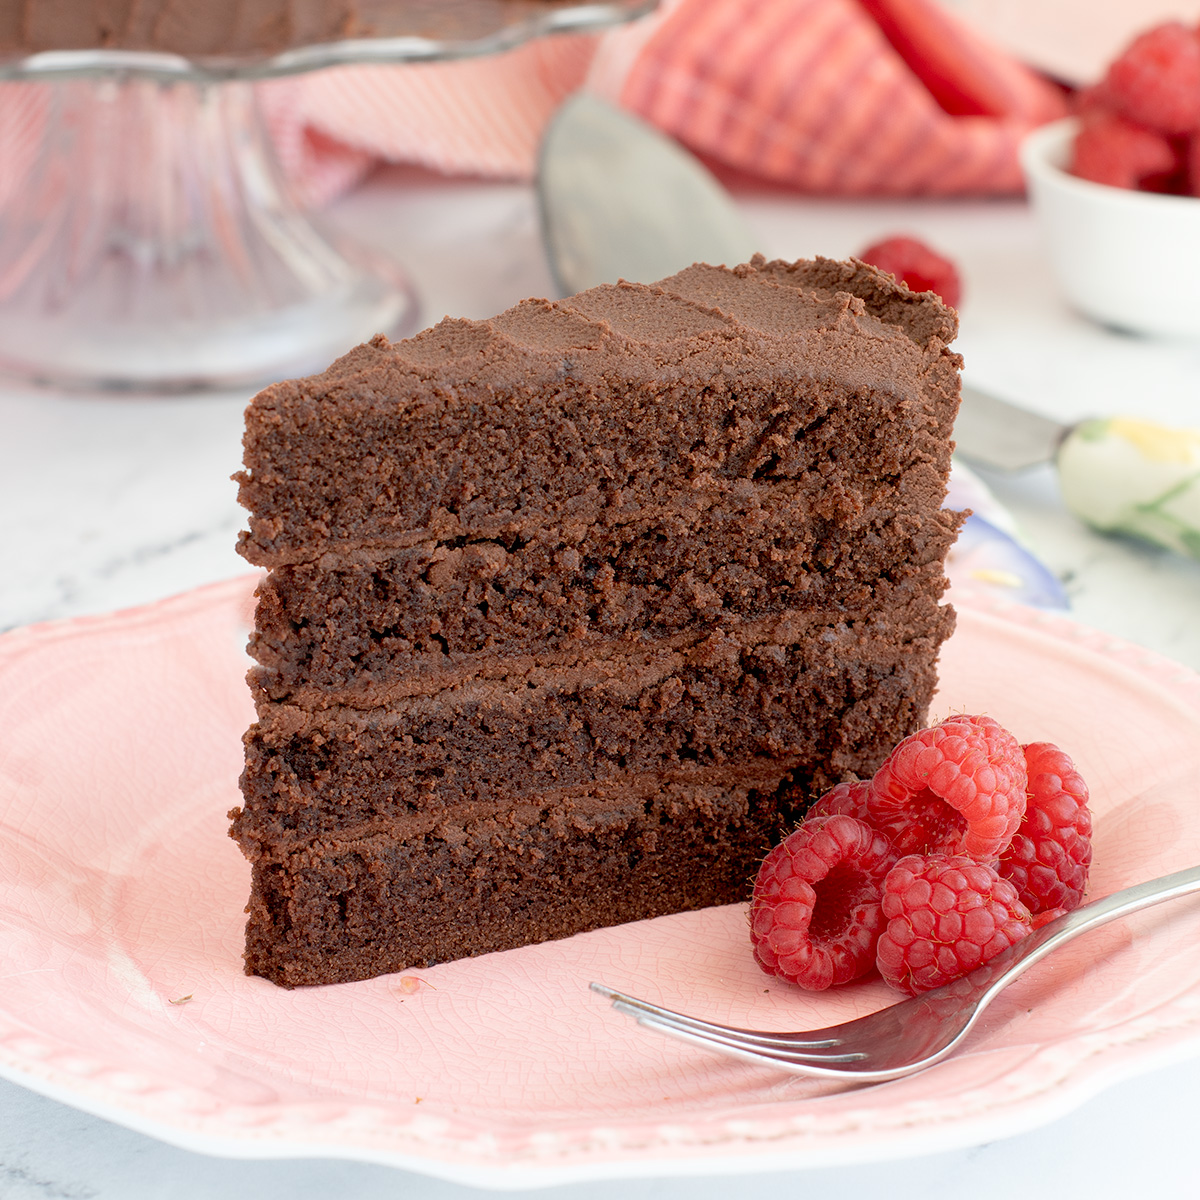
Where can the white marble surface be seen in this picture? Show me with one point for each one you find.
(108, 502)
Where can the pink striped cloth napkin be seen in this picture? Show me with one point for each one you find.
(834, 97)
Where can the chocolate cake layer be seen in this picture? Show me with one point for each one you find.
(383, 904)
(418, 618)
(383, 451)
(712, 712)
(571, 610)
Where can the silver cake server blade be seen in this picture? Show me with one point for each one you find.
(993, 433)
(620, 200)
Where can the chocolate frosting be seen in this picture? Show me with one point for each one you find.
(464, 391)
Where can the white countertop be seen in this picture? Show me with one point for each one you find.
(109, 502)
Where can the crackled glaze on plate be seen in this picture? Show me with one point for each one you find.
(121, 901)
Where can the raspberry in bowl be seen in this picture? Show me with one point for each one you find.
(1128, 259)
(1115, 189)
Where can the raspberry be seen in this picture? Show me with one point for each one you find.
(1110, 149)
(915, 264)
(1047, 915)
(815, 915)
(946, 915)
(1051, 851)
(958, 788)
(1092, 101)
(1156, 79)
(845, 799)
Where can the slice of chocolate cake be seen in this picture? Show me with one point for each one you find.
(571, 611)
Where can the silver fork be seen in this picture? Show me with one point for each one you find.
(913, 1034)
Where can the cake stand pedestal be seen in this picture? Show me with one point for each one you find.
(152, 242)
(155, 244)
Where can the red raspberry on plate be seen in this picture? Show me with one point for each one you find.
(946, 915)
(915, 264)
(1051, 851)
(844, 799)
(957, 788)
(1047, 915)
(815, 915)
(1155, 81)
(1110, 149)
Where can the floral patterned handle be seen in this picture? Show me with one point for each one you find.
(1124, 475)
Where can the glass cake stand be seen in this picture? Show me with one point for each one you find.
(153, 243)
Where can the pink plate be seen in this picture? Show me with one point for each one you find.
(121, 918)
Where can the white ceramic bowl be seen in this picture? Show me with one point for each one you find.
(1128, 259)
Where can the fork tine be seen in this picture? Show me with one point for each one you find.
(780, 1058)
(667, 1021)
(748, 1039)
(734, 1041)
(632, 1006)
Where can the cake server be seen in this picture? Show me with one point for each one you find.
(1119, 474)
(620, 200)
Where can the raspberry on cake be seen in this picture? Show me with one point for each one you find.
(571, 610)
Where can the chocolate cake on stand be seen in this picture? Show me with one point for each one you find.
(151, 241)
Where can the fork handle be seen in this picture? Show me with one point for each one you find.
(1043, 941)
(1129, 900)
